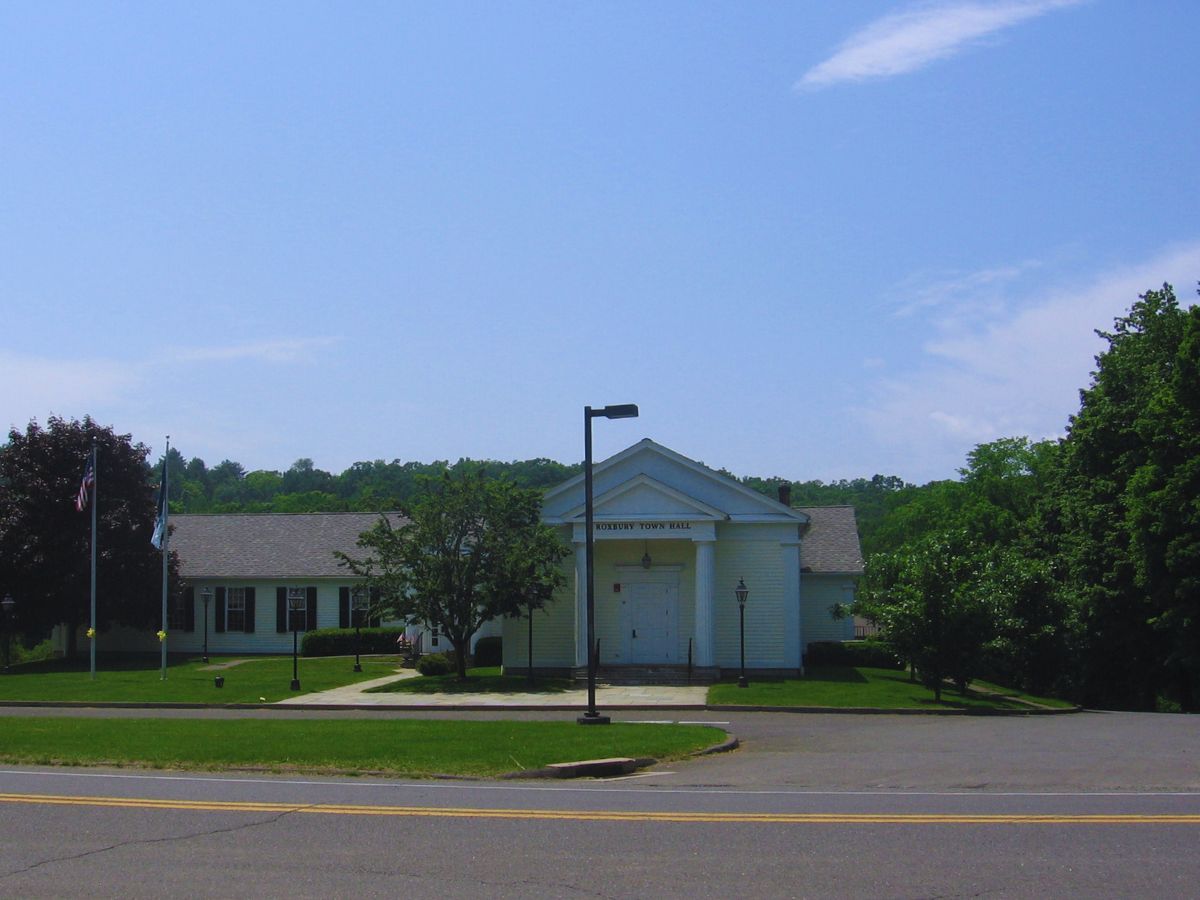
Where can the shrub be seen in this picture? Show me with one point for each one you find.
(340, 641)
(875, 654)
(489, 651)
(435, 664)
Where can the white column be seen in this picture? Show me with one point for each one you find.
(706, 578)
(793, 639)
(581, 655)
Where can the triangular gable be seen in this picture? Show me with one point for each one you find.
(643, 498)
(696, 483)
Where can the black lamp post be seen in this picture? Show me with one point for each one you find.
(296, 605)
(206, 594)
(742, 592)
(8, 604)
(356, 613)
(620, 411)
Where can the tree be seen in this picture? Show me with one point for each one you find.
(1127, 503)
(45, 553)
(932, 605)
(471, 549)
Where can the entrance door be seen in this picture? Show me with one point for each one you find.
(653, 616)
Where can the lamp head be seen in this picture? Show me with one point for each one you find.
(619, 411)
(741, 592)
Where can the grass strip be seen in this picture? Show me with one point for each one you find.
(138, 679)
(411, 748)
(848, 687)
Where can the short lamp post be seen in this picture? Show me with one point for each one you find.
(296, 605)
(620, 411)
(357, 611)
(206, 595)
(742, 592)
(8, 604)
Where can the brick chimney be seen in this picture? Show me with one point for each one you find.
(785, 494)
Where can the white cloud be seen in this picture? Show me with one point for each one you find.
(906, 41)
(285, 350)
(1016, 375)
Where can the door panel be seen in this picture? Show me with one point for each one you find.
(653, 620)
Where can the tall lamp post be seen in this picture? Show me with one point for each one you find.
(296, 605)
(620, 411)
(356, 613)
(7, 604)
(742, 592)
(206, 595)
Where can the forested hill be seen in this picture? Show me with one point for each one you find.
(370, 486)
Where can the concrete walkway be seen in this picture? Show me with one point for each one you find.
(610, 697)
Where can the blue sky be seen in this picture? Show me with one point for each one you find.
(809, 239)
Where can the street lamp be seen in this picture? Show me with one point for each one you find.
(206, 595)
(296, 604)
(7, 604)
(620, 411)
(356, 613)
(742, 592)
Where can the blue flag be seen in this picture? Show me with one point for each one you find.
(160, 523)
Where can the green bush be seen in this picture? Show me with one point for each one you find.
(340, 641)
(873, 653)
(489, 651)
(435, 664)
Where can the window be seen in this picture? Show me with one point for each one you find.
(177, 613)
(297, 600)
(358, 608)
(433, 637)
(235, 609)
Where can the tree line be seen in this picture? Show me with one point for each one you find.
(1066, 566)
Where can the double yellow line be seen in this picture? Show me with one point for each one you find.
(336, 809)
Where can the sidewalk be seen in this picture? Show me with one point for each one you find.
(610, 697)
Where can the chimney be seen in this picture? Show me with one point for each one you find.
(785, 494)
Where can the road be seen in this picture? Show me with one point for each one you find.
(811, 806)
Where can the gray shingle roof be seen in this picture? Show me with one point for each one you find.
(268, 545)
(830, 543)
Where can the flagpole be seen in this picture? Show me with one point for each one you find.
(95, 503)
(165, 554)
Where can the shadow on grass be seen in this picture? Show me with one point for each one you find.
(839, 674)
(474, 684)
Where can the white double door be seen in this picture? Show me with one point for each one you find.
(652, 622)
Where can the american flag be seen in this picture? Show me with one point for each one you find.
(85, 487)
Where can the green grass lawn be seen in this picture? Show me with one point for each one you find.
(409, 747)
(479, 681)
(846, 687)
(137, 679)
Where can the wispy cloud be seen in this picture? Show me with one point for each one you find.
(36, 386)
(285, 350)
(1018, 373)
(907, 41)
(921, 293)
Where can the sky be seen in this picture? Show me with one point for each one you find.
(811, 240)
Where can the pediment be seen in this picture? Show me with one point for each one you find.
(641, 498)
(650, 480)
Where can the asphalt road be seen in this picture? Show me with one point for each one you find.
(1102, 805)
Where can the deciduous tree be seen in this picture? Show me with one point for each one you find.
(469, 550)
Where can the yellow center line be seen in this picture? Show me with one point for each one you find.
(608, 816)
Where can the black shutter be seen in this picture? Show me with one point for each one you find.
(220, 610)
(189, 609)
(310, 617)
(377, 620)
(281, 610)
(249, 610)
(343, 607)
